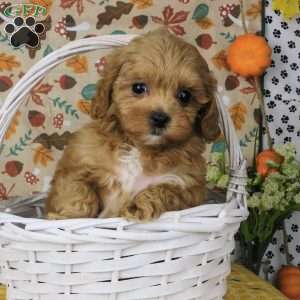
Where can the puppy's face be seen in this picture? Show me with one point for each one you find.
(160, 90)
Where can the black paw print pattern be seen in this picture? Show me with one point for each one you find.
(289, 238)
(277, 33)
(288, 88)
(277, 49)
(275, 80)
(283, 74)
(282, 78)
(24, 32)
(284, 59)
(284, 25)
(269, 254)
(279, 131)
(267, 93)
(291, 44)
(275, 254)
(268, 19)
(290, 128)
(295, 228)
(294, 66)
(285, 119)
(287, 139)
(271, 104)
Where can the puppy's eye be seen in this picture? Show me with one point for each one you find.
(184, 97)
(139, 88)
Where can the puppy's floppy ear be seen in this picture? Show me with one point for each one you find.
(103, 98)
(207, 120)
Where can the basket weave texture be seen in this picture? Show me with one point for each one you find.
(183, 255)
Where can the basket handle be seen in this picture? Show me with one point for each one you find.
(39, 70)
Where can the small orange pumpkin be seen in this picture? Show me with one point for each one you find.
(263, 160)
(288, 282)
(249, 55)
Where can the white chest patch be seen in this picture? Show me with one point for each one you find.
(132, 178)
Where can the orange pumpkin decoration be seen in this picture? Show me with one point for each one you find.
(263, 160)
(288, 282)
(249, 55)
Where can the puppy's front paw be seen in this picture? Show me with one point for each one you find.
(141, 208)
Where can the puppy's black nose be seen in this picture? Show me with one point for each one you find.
(159, 119)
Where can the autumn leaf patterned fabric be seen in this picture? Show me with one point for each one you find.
(60, 103)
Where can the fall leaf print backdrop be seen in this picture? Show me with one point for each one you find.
(60, 103)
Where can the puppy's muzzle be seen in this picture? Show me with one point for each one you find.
(159, 120)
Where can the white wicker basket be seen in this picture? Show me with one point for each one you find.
(183, 255)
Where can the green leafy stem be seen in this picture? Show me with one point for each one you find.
(227, 35)
(23, 142)
(249, 137)
(67, 107)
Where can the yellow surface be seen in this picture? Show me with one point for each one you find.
(2, 293)
(242, 285)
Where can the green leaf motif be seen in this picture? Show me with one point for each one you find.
(102, 2)
(89, 91)
(218, 147)
(248, 138)
(47, 51)
(68, 108)
(200, 12)
(227, 35)
(23, 142)
(3, 37)
(2, 146)
(118, 32)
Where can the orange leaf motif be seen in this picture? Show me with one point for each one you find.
(248, 90)
(40, 88)
(205, 23)
(254, 11)
(13, 126)
(84, 106)
(45, 3)
(141, 4)
(172, 20)
(8, 62)
(238, 113)
(78, 64)
(44, 88)
(179, 17)
(168, 12)
(69, 3)
(42, 156)
(220, 60)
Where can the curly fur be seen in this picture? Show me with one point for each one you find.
(114, 166)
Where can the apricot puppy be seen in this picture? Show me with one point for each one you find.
(142, 154)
